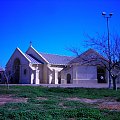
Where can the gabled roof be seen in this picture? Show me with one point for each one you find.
(32, 59)
(88, 57)
(57, 59)
(17, 49)
(33, 49)
(1, 69)
(49, 58)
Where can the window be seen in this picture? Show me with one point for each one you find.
(25, 71)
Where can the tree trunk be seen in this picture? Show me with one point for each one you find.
(114, 82)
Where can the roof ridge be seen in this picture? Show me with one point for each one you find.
(56, 54)
(86, 53)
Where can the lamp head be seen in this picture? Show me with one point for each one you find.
(110, 14)
(103, 13)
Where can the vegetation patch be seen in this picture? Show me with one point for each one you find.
(106, 103)
(43, 103)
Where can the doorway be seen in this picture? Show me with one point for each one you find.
(101, 75)
(68, 78)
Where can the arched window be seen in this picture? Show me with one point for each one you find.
(16, 69)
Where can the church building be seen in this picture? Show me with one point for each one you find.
(33, 67)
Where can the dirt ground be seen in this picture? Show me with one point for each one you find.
(106, 103)
(10, 99)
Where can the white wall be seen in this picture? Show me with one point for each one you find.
(24, 78)
(80, 73)
(20, 56)
(64, 73)
(86, 72)
(24, 64)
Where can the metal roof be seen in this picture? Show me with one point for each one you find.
(90, 57)
(57, 59)
(33, 59)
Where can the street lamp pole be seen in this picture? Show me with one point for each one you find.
(109, 50)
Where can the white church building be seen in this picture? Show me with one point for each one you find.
(33, 67)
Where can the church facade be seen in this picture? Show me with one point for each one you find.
(33, 67)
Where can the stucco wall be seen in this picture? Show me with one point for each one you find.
(24, 76)
(24, 64)
(64, 75)
(79, 74)
(86, 72)
(19, 55)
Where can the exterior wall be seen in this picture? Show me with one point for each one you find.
(84, 73)
(90, 82)
(19, 55)
(64, 75)
(45, 74)
(24, 64)
(24, 77)
(80, 74)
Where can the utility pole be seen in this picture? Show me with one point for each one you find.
(109, 50)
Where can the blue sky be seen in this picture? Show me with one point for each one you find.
(52, 25)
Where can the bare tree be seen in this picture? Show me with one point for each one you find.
(112, 53)
(74, 50)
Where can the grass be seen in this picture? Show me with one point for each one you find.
(54, 105)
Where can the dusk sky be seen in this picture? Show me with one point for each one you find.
(53, 25)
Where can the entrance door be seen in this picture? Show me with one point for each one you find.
(68, 78)
(101, 75)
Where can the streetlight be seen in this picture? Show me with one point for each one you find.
(109, 50)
